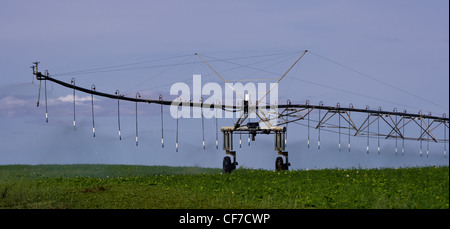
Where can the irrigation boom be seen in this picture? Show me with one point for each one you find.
(275, 118)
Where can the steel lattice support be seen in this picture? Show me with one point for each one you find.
(394, 121)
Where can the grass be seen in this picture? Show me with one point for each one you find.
(156, 187)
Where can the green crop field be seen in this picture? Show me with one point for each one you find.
(156, 187)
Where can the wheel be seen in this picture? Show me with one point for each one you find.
(227, 165)
(279, 165)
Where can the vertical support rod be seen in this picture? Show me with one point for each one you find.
(45, 91)
(217, 128)
(420, 136)
(339, 128)
(176, 140)
(248, 132)
(36, 72)
(287, 124)
(92, 105)
(137, 138)
(240, 140)
(73, 83)
(396, 150)
(240, 133)
(203, 123)
(351, 106)
(445, 138)
(318, 141)
(428, 141)
(307, 103)
(368, 125)
(403, 133)
(162, 123)
(378, 131)
(39, 93)
(118, 112)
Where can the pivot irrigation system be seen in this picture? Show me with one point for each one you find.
(273, 119)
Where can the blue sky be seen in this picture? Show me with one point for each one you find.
(404, 44)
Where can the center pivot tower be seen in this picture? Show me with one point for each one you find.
(253, 128)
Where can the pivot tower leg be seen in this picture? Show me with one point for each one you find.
(228, 166)
(280, 147)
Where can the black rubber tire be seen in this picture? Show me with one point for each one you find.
(279, 165)
(227, 165)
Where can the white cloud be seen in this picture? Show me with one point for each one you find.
(12, 106)
(69, 98)
(11, 101)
